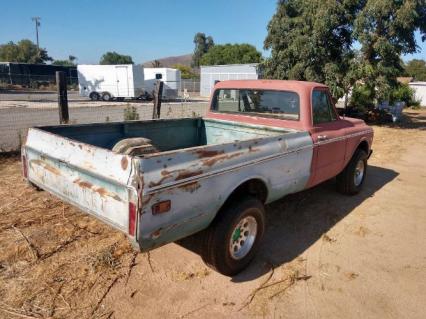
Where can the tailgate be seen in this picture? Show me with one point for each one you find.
(89, 177)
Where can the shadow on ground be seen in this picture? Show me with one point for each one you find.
(297, 221)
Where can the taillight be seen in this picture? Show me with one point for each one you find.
(24, 166)
(132, 219)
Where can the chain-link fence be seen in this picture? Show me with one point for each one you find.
(22, 107)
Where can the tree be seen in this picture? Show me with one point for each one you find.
(115, 58)
(186, 72)
(231, 54)
(156, 64)
(311, 40)
(202, 45)
(25, 51)
(417, 69)
(385, 29)
(69, 62)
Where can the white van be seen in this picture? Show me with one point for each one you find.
(109, 82)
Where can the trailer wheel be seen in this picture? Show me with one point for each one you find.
(94, 96)
(106, 96)
(351, 179)
(230, 243)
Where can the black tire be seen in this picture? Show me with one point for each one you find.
(94, 96)
(347, 180)
(106, 96)
(216, 250)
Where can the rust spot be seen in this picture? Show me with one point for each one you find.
(207, 153)
(72, 144)
(156, 234)
(185, 174)
(252, 149)
(124, 163)
(103, 192)
(46, 166)
(83, 184)
(80, 146)
(165, 173)
(190, 187)
(214, 160)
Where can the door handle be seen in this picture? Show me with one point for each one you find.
(322, 137)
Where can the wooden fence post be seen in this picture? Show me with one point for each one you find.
(158, 94)
(61, 85)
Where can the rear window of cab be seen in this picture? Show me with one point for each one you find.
(266, 103)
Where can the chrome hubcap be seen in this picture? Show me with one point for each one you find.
(359, 172)
(243, 237)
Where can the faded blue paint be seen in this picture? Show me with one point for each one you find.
(200, 163)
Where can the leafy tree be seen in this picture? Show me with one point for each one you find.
(202, 45)
(186, 72)
(385, 29)
(115, 58)
(311, 40)
(417, 69)
(25, 51)
(231, 54)
(156, 64)
(69, 62)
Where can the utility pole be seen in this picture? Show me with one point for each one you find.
(37, 24)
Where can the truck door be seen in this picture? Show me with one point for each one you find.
(328, 134)
(122, 81)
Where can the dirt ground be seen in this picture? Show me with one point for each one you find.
(324, 255)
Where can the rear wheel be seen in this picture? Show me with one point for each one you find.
(106, 96)
(232, 240)
(351, 179)
(94, 96)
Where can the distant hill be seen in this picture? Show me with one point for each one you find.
(171, 60)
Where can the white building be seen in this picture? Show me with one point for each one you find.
(210, 74)
(420, 91)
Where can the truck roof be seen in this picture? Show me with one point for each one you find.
(291, 85)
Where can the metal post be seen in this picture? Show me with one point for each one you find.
(37, 24)
(158, 94)
(61, 85)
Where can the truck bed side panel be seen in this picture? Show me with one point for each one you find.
(198, 181)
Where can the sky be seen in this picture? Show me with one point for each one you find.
(145, 30)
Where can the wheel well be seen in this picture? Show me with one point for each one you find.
(253, 187)
(364, 146)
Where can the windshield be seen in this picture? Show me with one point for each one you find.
(281, 104)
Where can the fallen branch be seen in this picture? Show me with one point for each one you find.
(31, 247)
(193, 311)
(253, 294)
(148, 256)
(16, 313)
(132, 264)
(105, 294)
(293, 280)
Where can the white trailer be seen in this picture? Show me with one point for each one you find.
(210, 74)
(170, 77)
(109, 82)
(419, 92)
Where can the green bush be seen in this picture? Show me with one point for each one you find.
(403, 93)
(362, 98)
(130, 113)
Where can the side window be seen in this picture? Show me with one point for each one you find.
(158, 76)
(322, 111)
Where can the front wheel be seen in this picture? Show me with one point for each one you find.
(351, 179)
(232, 240)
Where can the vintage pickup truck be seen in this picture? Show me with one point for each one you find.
(161, 180)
